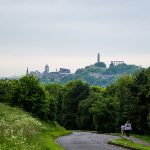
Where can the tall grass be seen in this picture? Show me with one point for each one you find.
(20, 131)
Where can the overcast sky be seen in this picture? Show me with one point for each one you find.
(70, 33)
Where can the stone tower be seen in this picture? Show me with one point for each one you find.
(98, 58)
(46, 69)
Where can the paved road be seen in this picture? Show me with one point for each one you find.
(87, 141)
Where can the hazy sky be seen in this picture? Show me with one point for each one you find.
(70, 33)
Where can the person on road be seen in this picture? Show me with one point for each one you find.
(128, 128)
(122, 129)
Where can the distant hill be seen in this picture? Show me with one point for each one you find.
(96, 74)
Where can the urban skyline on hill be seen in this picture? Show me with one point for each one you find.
(73, 69)
(69, 33)
(98, 59)
(96, 74)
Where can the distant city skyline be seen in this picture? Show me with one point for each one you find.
(71, 33)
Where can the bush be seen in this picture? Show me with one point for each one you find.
(32, 97)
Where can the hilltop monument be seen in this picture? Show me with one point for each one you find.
(115, 63)
(99, 63)
(98, 58)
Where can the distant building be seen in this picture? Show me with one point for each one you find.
(64, 71)
(115, 63)
(46, 71)
(54, 74)
(50, 75)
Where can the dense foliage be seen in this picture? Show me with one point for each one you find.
(77, 105)
(76, 91)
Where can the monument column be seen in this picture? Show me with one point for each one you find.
(98, 58)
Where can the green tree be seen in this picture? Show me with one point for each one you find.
(76, 91)
(32, 97)
(7, 88)
(84, 116)
(124, 95)
(141, 93)
(57, 92)
(105, 112)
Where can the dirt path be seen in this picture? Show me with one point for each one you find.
(87, 141)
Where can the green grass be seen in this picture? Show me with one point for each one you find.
(145, 138)
(129, 144)
(20, 131)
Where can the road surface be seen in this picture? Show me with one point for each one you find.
(87, 141)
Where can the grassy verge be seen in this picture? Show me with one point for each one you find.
(145, 138)
(129, 144)
(19, 130)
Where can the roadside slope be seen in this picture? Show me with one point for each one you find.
(19, 130)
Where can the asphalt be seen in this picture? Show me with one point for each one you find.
(87, 141)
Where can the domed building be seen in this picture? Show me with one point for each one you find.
(46, 71)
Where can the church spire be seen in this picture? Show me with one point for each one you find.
(98, 58)
(27, 72)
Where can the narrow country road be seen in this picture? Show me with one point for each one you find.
(87, 141)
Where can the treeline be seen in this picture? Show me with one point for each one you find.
(77, 105)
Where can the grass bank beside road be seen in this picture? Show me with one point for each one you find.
(131, 144)
(145, 138)
(19, 130)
